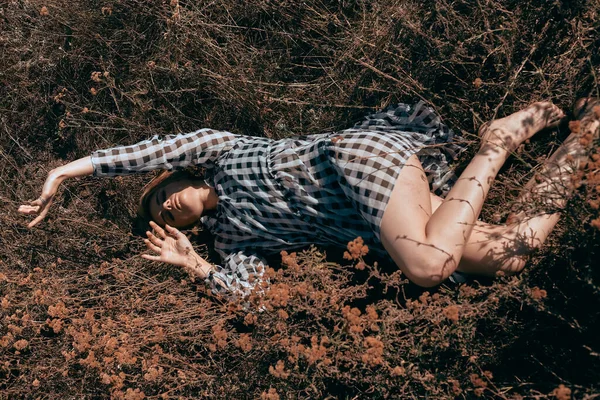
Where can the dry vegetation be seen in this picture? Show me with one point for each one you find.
(82, 316)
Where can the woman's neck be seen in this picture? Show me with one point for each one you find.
(212, 199)
(208, 196)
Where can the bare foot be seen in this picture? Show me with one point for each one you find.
(585, 107)
(553, 184)
(509, 132)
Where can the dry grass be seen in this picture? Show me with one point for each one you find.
(82, 316)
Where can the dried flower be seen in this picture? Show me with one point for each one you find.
(356, 249)
(279, 370)
(374, 354)
(244, 342)
(134, 394)
(270, 395)
(451, 312)
(456, 390)
(477, 381)
(538, 294)
(574, 126)
(153, 373)
(561, 392)
(21, 344)
(96, 76)
(283, 314)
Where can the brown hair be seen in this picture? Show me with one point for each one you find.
(160, 181)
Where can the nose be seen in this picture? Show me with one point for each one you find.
(167, 204)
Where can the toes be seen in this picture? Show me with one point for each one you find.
(585, 106)
(546, 113)
(555, 114)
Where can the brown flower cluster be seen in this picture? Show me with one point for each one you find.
(219, 337)
(538, 294)
(374, 351)
(279, 370)
(561, 392)
(451, 312)
(352, 316)
(588, 174)
(271, 394)
(356, 249)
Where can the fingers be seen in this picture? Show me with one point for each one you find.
(152, 246)
(32, 208)
(39, 218)
(173, 231)
(28, 209)
(150, 257)
(158, 229)
(39, 206)
(153, 239)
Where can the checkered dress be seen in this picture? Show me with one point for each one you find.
(275, 195)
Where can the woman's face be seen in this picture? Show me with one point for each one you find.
(177, 204)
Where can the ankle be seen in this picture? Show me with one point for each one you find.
(494, 151)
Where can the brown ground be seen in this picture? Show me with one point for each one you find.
(82, 316)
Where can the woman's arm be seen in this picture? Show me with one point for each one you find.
(237, 277)
(74, 169)
(201, 147)
(173, 247)
(41, 205)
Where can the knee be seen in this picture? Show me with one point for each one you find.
(431, 271)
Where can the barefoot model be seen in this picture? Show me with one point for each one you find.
(379, 180)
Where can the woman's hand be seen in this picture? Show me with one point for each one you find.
(41, 205)
(173, 247)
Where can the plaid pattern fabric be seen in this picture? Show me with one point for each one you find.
(201, 147)
(278, 195)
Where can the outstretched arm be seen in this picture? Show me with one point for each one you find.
(41, 205)
(201, 147)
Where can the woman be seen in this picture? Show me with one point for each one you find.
(261, 196)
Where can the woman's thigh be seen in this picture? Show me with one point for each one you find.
(404, 221)
(488, 249)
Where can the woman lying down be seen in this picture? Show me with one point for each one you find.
(381, 180)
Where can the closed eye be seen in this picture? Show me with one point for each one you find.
(168, 213)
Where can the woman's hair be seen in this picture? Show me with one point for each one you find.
(160, 181)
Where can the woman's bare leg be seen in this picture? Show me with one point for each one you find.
(552, 186)
(493, 248)
(427, 246)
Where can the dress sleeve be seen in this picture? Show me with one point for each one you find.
(201, 147)
(239, 275)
